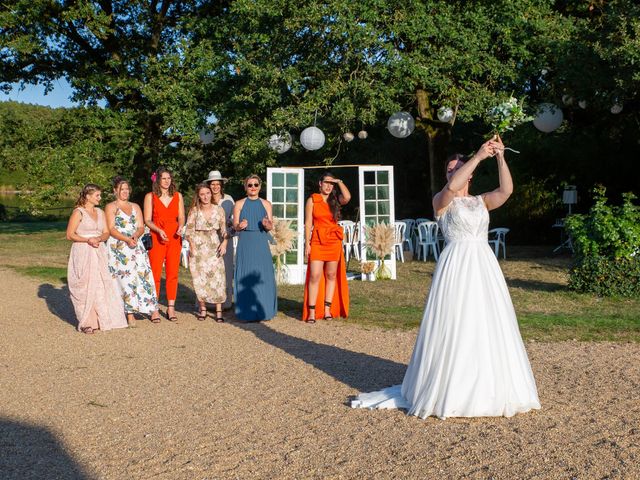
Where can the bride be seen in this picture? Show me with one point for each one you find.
(469, 359)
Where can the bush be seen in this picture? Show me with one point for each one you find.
(607, 247)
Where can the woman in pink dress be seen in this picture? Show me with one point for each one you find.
(94, 293)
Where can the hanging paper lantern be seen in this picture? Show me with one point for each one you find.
(280, 142)
(362, 134)
(348, 136)
(445, 114)
(312, 138)
(616, 108)
(549, 117)
(401, 124)
(206, 136)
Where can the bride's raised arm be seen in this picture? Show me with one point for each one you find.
(459, 176)
(497, 197)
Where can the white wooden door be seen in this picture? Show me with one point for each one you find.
(285, 190)
(377, 202)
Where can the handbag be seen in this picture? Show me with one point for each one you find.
(147, 241)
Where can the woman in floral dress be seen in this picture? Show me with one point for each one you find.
(128, 260)
(206, 234)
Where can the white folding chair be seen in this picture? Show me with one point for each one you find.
(427, 240)
(408, 232)
(355, 240)
(399, 229)
(497, 238)
(414, 232)
(347, 228)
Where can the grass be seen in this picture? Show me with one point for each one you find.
(547, 310)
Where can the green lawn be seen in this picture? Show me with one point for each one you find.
(547, 310)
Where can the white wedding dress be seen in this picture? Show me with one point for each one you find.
(469, 359)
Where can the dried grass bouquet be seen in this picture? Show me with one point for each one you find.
(380, 240)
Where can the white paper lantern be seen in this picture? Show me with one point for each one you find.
(206, 136)
(362, 134)
(280, 142)
(401, 124)
(582, 104)
(445, 114)
(348, 136)
(549, 117)
(312, 138)
(616, 108)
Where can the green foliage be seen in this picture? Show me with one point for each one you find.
(607, 247)
(59, 150)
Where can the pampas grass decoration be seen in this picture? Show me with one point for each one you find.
(283, 238)
(381, 239)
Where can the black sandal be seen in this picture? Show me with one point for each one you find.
(328, 317)
(200, 316)
(311, 320)
(219, 319)
(156, 319)
(172, 318)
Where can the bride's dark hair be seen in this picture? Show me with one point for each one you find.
(332, 200)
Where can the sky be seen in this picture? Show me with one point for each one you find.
(34, 94)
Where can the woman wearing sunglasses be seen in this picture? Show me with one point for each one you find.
(254, 282)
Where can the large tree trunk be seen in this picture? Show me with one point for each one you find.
(426, 124)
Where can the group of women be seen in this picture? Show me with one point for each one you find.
(112, 276)
(469, 358)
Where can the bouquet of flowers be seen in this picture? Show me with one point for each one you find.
(507, 116)
(367, 267)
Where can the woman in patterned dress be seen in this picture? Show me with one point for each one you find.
(206, 234)
(128, 260)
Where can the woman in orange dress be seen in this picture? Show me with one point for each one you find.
(326, 268)
(164, 215)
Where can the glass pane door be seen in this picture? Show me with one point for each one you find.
(376, 206)
(285, 190)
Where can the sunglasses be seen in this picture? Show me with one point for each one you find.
(253, 185)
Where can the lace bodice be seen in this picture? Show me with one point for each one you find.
(466, 218)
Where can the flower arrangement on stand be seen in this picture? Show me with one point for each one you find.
(380, 239)
(367, 270)
(283, 240)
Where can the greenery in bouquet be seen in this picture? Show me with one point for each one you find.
(507, 116)
(380, 239)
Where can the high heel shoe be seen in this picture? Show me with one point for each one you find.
(311, 320)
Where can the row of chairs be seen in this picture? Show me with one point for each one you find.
(421, 237)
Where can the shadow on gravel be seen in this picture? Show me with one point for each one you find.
(358, 370)
(33, 452)
(58, 302)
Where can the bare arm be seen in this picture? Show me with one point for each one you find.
(461, 178)
(148, 216)
(308, 226)
(105, 231)
(72, 226)
(267, 221)
(238, 223)
(345, 194)
(497, 197)
(140, 231)
(181, 217)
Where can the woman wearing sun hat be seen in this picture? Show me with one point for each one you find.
(216, 182)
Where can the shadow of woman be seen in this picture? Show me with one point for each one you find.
(30, 451)
(58, 302)
(358, 370)
(249, 306)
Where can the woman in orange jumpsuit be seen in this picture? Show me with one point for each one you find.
(164, 215)
(326, 268)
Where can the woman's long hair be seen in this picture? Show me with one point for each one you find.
(333, 198)
(156, 184)
(213, 200)
(195, 203)
(87, 190)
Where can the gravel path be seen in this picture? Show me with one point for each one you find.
(197, 400)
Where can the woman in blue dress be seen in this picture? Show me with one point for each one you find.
(255, 281)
